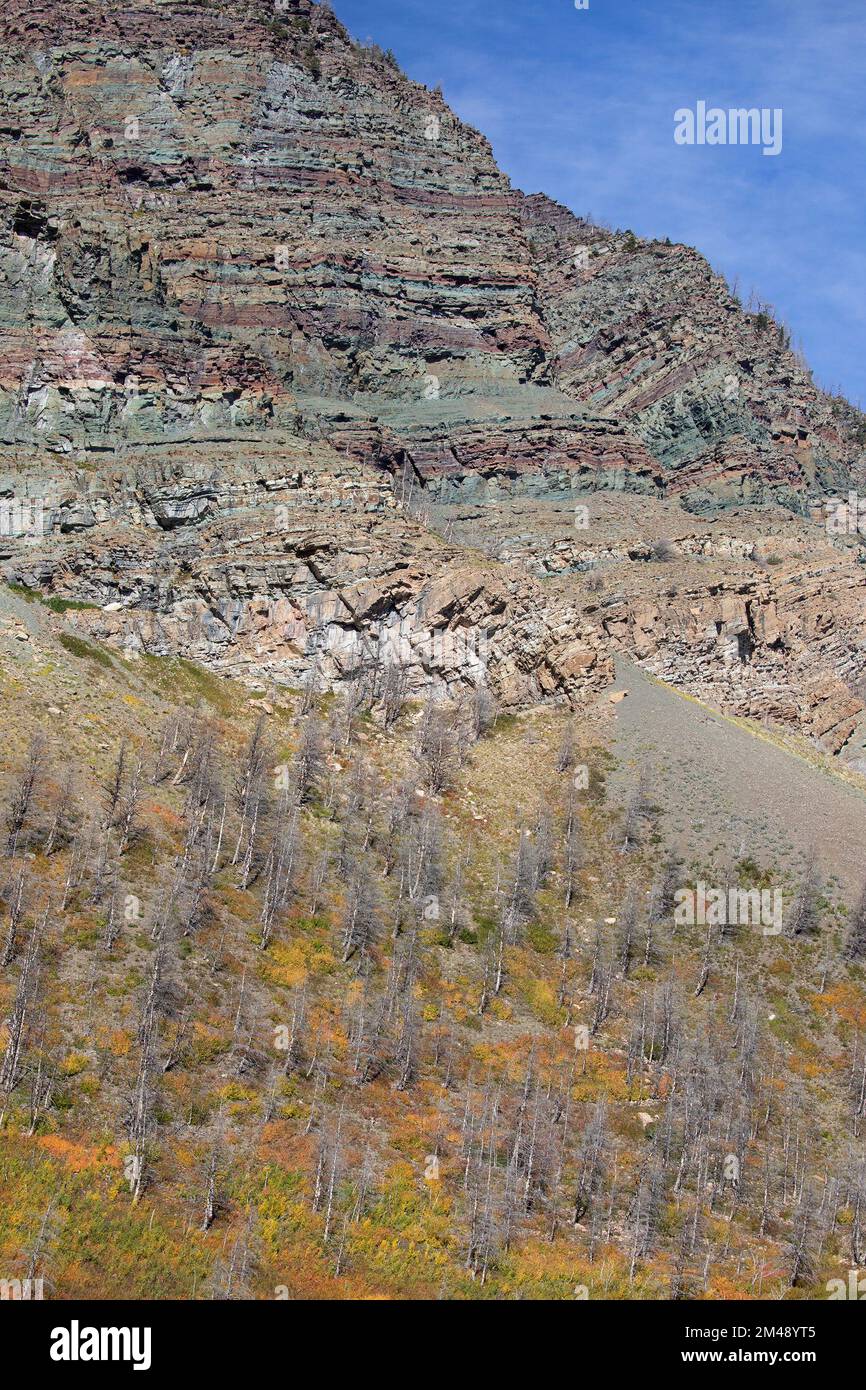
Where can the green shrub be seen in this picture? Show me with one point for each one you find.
(78, 647)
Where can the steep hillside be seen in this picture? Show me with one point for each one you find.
(316, 998)
(339, 945)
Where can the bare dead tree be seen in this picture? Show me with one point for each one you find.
(805, 916)
(128, 808)
(360, 916)
(112, 791)
(573, 854)
(42, 1083)
(141, 1121)
(854, 948)
(211, 1204)
(64, 818)
(281, 873)
(249, 794)
(637, 812)
(483, 711)
(309, 763)
(566, 755)
(22, 795)
(626, 933)
(393, 691)
(15, 894)
(436, 749)
(19, 1020)
(590, 1161)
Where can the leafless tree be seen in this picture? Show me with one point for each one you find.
(805, 916)
(63, 821)
(637, 812)
(360, 916)
(250, 799)
(22, 795)
(482, 712)
(591, 1157)
(436, 746)
(855, 943)
(392, 694)
(309, 762)
(15, 897)
(141, 1119)
(18, 1023)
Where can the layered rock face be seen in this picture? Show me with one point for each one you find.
(646, 334)
(298, 566)
(283, 354)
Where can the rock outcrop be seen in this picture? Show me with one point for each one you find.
(282, 352)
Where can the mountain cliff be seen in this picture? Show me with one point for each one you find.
(302, 380)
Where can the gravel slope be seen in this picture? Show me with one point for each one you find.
(726, 792)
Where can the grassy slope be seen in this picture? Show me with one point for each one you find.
(410, 1238)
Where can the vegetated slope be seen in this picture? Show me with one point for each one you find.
(317, 997)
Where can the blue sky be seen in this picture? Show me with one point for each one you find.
(580, 105)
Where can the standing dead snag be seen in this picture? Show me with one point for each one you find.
(128, 809)
(392, 694)
(436, 749)
(309, 764)
(360, 915)
(249, 795)
(113, 789)
(626, 932)
(42, 1081)
(855, 942)
(805, 916)
(600, 983)
(645, 1214)
(804, 1244)
(16, 902)
(483, 711)
(572, 849)
(62, 828)
(525, 875)
(707, 961)
(566, 755)
(19, 1020)
(234, 1272)
(421, 862)
(141, 1117)
(637, 812)
(590, 1162)
(281, 870)
(297, 1033)
(41, 1243)
(210, 1200)
(332, 1181)
(407, 1044)
(22, 796)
